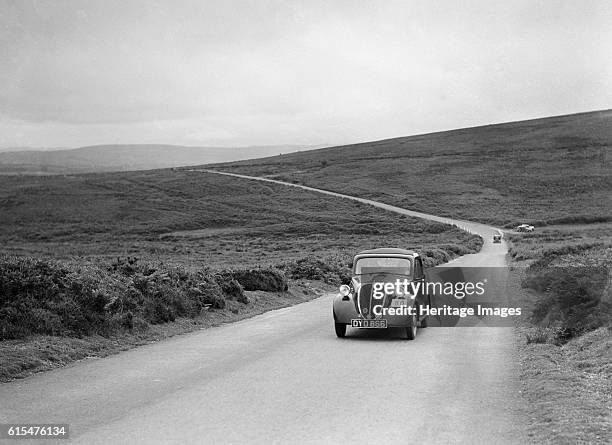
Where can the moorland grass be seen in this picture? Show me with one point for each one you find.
(200, 220)
(544, 171)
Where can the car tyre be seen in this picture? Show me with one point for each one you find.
(411, 330)
(423, 323)
(340, 329)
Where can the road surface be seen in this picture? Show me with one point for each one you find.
(283, 377)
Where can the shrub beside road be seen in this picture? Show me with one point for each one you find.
(561, 274)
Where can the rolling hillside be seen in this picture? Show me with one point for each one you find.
(541, 171)
(198, 220)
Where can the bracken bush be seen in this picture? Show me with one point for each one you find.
(443, 253)
(49, 297)
(233, 289)
(264, 279)
(330, 270)
(573, 299)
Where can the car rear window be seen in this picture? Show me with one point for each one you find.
(369, 265)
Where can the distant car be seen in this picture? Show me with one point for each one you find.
(525, 228)
(361, 305)
(497, 238)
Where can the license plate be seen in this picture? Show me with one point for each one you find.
(373, 324)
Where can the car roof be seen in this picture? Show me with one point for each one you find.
(387, 251)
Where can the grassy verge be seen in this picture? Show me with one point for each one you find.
(569, 389)
(565, 335)
(22, 357)
(54, 312)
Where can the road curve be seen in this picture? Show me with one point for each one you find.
(283, 377)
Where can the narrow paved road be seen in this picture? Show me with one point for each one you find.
(283, 377)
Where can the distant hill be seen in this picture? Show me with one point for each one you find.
(105, 158)
(538, 171)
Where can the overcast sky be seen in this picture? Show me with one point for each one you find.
(229, 73)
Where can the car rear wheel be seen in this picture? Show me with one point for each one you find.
(340, 329)
(423, 323)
